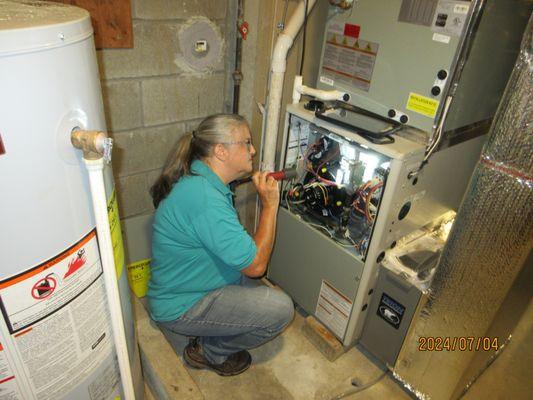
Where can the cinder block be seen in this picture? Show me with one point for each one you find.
(191, 125)
(158, 45)
(152, 176)
(144, 149)
(133, 196)
(167, 100)
(122, 104)
(154, 51)
(211, 95)
(164, 101)
(322, 339)
(169, 9)
(156, 48)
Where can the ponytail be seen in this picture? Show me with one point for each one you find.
(178, 164)
(197, 145)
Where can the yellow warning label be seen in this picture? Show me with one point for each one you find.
(116, 233)
(138, 277)
(422, 105)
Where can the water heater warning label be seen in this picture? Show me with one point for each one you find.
(59, 325)
(348, 59)
(8, 382)
(46, 288)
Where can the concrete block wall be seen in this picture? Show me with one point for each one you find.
(149, 101)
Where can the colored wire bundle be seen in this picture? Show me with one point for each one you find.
(363, 199)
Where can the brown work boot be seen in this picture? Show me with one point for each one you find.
(234, 364)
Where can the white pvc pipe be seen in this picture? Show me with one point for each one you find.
(278, 65)
(96, 179)
(299, 88)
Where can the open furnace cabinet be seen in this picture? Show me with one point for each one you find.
(350, 202)
(417, 66)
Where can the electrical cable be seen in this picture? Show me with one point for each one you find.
(358, 389)
(347, 236)
(369, 216)
(323, 180)
(328, 159)
(440, 127)
(321, 227)
(437, 138)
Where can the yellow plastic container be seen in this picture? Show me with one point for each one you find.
(138, 277)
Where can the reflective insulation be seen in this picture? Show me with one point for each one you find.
(486, 251)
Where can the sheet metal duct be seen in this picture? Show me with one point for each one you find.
(483, 264)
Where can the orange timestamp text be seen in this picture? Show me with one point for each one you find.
(458, 343)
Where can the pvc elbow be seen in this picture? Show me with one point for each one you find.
(298, 83)
(326, 95)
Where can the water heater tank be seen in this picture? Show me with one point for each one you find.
(56, 340)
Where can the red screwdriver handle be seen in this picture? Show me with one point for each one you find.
(287, 173)
(277, 175)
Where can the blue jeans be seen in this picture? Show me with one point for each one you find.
(234, 318)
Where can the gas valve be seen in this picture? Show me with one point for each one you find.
(243, 29)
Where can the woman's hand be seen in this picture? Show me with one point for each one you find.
(267, 187)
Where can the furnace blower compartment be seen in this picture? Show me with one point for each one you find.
(339, 184)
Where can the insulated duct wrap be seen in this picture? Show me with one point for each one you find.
(487, 248)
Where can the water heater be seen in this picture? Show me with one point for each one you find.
(56, 340)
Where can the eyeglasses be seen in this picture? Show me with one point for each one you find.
(247, 142)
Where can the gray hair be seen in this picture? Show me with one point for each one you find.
(217, 128)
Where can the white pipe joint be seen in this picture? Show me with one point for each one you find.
(296, 94)
(299, 88)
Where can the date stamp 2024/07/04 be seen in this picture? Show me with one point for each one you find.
(458, 343)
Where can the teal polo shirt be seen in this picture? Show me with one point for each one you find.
(198, 244)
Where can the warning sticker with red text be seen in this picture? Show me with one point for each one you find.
(348, 60)
(333, 309)
(42, 290)
(58, 323)
(8, 382)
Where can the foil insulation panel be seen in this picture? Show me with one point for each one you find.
(486, 251)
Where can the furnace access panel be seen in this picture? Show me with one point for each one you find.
(394, 55)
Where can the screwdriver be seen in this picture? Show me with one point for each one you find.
(288, 173)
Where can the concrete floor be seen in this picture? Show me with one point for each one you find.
(510, 376)
(290, 367)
